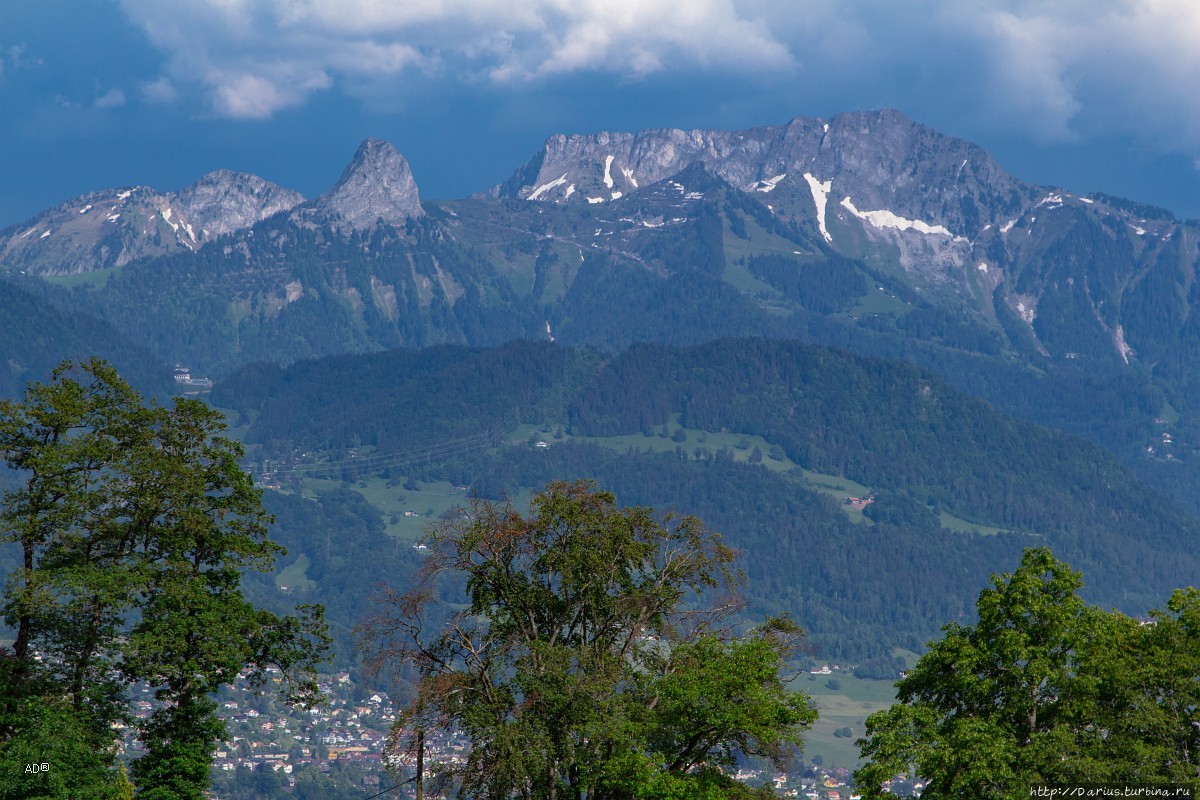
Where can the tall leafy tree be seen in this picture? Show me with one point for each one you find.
(1044, 689)
(582, 664)
(135, 524)
(1145, 683)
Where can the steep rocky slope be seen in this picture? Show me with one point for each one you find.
(112, 227)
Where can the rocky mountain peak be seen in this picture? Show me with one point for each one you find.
(111, 227)
(376, 186)
(862, 177)
(225, 201)
(882, 163)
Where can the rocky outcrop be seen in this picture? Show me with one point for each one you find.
(225, 201)
(376, 187)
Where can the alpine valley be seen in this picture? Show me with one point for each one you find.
(718, 319)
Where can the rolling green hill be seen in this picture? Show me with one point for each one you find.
(763, 439)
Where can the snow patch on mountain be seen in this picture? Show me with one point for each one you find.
(770, 183)
(886, 219)
(1051, 201)
(608, 181)
(820, 193)
(1122, 346)
(545, 187)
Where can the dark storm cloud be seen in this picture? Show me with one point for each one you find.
(1097, 94)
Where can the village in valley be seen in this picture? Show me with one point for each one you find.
(350, 737)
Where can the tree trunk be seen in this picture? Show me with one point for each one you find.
(421, 764)
(25, 624)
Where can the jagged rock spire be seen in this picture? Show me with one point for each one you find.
(376, 186)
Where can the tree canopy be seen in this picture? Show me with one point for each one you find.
(582, 662)
(1044, 689)
(134, 524)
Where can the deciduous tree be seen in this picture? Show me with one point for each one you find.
(135, 524)
(583, 663)
(1044, 689)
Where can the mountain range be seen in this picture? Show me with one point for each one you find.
(934, 212)
(865, 232)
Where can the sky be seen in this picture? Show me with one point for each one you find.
(1088, 95)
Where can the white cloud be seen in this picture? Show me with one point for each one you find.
(251, 97)
(258, 96)
(1062, 66)
(1057, 70)
(638, 37)
(1052, 69)
(113, 98)
(159, 91)
(255, 57)
(18, 57)
(14, 57)
(1026, 71)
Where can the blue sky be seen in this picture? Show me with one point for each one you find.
(1092, 95)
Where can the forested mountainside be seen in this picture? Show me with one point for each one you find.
(878, 364)
(760, 438)
(38, 335)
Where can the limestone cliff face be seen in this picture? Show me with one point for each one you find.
(880, 160)
(376, 187)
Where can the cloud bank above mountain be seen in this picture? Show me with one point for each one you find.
(1050, 68)
(256, 57)
(1095, 95)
